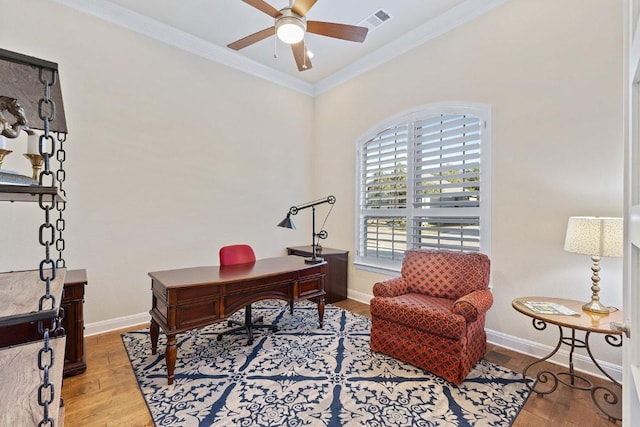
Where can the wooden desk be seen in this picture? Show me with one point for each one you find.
(607, 399)
(190, 298)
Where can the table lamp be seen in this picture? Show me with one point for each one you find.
(287, 222)
(594, 236)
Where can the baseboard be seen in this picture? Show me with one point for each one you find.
(101, 327)
(359, 296)
(530, 348)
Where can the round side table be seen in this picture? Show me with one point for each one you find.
(606, 398)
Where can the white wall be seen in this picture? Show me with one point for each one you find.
(552, 73)
(169, 157)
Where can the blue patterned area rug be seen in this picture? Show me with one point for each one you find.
(305, 376)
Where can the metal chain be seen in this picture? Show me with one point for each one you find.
(61, 205)
(47, 148)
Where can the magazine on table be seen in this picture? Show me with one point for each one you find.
(545, 307)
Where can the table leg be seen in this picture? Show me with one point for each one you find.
(321, 310)
(547, 381)
(154, 331)
(170, 357)
(607, 399)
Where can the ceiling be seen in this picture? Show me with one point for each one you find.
(206, 27)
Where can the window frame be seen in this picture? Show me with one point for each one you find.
(483, 211)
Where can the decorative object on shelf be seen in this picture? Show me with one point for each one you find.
(21, 95)
(4, 152)
(315, 237)
(36, 163)
(4, 149)
(597, 237)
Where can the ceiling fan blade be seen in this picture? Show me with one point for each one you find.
(301, 7)
(300, 54)
(253, 38)
(338, 31)
(264, 7)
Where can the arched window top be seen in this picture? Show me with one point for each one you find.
(423, 181)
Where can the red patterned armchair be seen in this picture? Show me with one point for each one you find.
(432, 316)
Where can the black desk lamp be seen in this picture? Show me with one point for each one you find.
(288, 223)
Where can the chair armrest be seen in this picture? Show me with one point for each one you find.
(390, 288)
(472, 305)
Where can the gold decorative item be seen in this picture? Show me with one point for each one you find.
(594, 236)
(3, 153)
(36, 163)
(4, 149)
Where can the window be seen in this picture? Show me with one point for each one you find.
(423, 181)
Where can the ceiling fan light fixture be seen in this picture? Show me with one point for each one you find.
(290, 27)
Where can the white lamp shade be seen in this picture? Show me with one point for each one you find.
(290, 29)
(601, 236)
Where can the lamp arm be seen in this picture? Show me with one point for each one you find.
(295, 209)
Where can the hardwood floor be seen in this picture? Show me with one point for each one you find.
(107, 393)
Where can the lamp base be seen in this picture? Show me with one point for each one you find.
(595, 307)
(312, 260)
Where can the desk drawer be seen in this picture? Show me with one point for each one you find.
(198, 314)
(311, 286)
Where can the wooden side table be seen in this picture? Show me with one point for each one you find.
(335, 282)
(606, 399)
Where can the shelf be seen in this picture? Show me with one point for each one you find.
(21, 379)
(28, 193)
(20, 293)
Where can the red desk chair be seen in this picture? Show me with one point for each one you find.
(233, 255)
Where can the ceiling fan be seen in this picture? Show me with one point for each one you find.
(290, 26)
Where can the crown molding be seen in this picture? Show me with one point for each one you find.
(442, 24)
(146, 26)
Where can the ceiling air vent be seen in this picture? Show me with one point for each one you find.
(374, 20)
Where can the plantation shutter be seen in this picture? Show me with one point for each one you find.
(383, 192)
(384, 169)
(446, 175)
(419, 185)
(447, 162)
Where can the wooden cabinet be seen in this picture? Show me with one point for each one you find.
(72, 321)
(335, 282)
(20, 376)
(75, 360)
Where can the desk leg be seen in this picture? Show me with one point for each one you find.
(321, 310)
(154, 331)
(170, 357)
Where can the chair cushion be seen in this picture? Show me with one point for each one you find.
(445, 274)
(431, 315)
